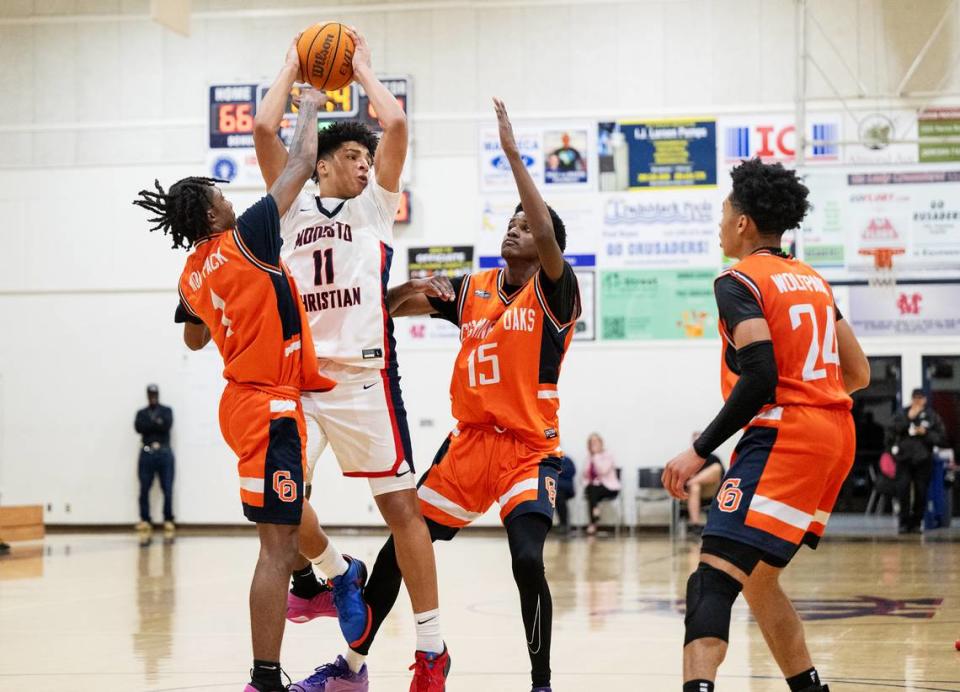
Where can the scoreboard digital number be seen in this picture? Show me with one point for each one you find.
(232, 109)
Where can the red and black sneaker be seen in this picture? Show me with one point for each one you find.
(430, 671)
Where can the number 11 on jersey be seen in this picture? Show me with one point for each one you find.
(323, 267)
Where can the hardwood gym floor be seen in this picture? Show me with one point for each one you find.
(97, 612)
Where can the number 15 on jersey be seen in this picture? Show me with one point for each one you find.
(483, 365)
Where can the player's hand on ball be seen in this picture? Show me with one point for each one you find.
(293, 58)
(679, 470)
(361, 52)
(437, 287)
(507, 141)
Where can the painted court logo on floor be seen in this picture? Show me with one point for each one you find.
(814, 609)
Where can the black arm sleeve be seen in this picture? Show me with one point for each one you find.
(755, 388)
(447, 309)
(735, 302)
(259, 227)
(561, 294)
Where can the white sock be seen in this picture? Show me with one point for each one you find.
(355, 660)
(331, 562)
(428, 631)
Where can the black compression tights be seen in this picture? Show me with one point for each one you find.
(526, 535)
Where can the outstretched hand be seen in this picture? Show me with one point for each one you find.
(507, 140)
(361, 51)
(436, 286)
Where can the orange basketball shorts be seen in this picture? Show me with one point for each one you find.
(784, 478)
(476, 467)
(265, 429)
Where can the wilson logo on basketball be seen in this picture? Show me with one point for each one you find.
(730, 495)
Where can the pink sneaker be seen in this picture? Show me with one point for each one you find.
(306, 609)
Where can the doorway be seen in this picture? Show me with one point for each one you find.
(873, 412)
(941, 381)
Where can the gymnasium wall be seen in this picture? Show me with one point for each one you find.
(86, 294)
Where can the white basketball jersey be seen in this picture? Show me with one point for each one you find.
(340, 259)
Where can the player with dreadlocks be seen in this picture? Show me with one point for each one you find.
(235, 291)
(339, 245)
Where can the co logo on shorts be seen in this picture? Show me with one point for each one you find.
(730, 495)
(551, 485)
(284, 486)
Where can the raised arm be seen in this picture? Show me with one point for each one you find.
(535, 209)
(392, 149)
(303, 152)
(854, 365)
(271, 154)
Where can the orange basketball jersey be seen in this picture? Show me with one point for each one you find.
(798, 305)
(253, 314)
(511, 350)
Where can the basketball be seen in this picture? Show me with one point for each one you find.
(326, 56)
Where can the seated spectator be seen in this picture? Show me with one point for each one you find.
(704, 483)
(565, 491)
(600, 477)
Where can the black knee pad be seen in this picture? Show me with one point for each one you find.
(711, 594)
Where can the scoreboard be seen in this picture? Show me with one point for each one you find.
(234, 106)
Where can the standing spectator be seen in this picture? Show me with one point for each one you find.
(565, 491)
(601, 479)
(705, 483)
(156, 459)
(916, 430)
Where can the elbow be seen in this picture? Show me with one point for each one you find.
(858, 378)
(193, 344)
(396, 123)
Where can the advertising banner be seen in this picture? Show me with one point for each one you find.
(557, 156)
(657, 304)
(642, 155)
(906, 310)
(666, 228)
(773, 138)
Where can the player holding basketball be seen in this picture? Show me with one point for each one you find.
(234, 290)
(515, 325)
(339, 248)
(789, 364)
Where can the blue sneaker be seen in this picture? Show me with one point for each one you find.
(334, 677)
(352, 611)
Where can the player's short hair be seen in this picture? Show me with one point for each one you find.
(559, 230)
(771, 195)
(181, 212)
(331, 139)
